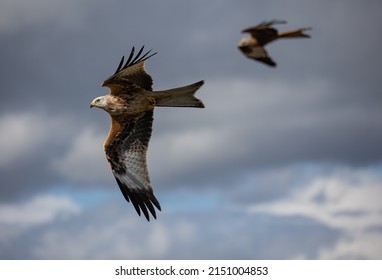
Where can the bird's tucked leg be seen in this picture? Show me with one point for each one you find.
(151, 101)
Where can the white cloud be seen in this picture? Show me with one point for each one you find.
(185, 151)
(116, 238)
(159, 240)
(29, 134)
(84, 160)
(39, 210)
(25, 133)
(19, 136)
(88, 241)
(16, 218)
(359, 245)
(348, 200)
(347, 203)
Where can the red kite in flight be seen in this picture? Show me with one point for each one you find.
(253, 45)
(130, 104)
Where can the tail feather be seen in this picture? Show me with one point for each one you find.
(298, 33)
(179, 97)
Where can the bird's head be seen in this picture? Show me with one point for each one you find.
(99, 102)
(243, 43)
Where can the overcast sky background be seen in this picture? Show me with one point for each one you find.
(282, 163)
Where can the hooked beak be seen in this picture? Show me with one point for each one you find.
(92, 105)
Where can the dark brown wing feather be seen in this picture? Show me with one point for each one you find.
(267, 60)
(264, 32)
(131, 75)
(126, 154)
(258, 53)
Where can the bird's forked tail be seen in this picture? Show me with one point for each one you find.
(179, 97)
(297, 33)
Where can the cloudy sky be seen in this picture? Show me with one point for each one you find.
(282, 163)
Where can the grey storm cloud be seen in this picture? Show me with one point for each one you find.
(262, 131)
(306, 110)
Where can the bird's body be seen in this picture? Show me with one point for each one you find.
(253, 45)
(121, 106)
(130, 104)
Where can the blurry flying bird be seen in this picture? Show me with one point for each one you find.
(253, 45)
(130, 104)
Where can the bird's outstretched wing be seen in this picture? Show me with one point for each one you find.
(130, 75)
(126, 149)
(258, 53)
(267, 60)
(264, 32)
